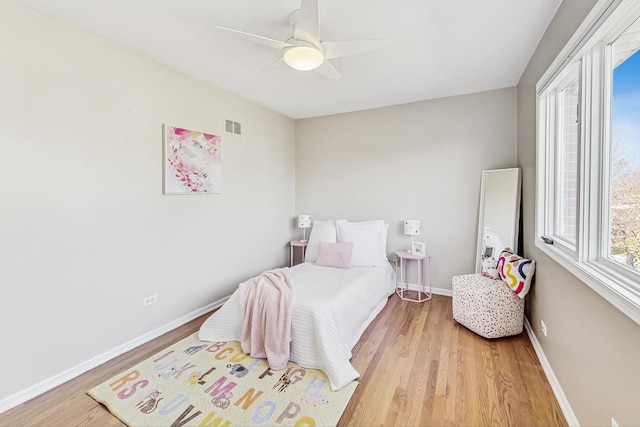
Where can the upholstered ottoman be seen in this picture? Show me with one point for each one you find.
(488, 307)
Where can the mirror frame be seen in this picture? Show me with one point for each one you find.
(516, 225)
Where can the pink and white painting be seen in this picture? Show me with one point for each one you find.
(192, 161)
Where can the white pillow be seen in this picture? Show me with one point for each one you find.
(383, 243)
(322, 231)
(369, 241)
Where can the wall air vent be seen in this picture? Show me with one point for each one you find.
(232, 127)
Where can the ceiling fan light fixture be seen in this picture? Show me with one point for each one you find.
(303, 58)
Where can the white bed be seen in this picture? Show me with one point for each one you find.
(331, 309)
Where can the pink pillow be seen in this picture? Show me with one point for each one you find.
(334, 254)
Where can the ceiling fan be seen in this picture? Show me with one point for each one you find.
(304, 51)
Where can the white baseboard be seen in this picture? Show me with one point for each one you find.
(54, 381)
(436, 291)
(572, 420)
(441, 291)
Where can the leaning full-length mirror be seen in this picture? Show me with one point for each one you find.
(499, 213)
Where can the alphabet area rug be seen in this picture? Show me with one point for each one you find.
(196, 383)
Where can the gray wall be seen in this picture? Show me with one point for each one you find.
(414, 161)
(592, 347)
(85, 232)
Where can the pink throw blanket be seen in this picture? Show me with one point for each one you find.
(266, 329)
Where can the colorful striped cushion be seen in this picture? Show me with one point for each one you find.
(516, 271)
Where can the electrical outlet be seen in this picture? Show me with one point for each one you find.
(149, 300)
(543, 327)
(614, 423)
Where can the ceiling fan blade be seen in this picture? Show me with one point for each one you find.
(354, 47)
(328, 70)
(278, 63)
(276, 44)
(308, 22)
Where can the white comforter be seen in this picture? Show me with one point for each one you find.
(331, 309)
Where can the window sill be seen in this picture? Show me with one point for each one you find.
(605, 285)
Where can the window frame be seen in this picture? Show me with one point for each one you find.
(557, 145)
(590, 52)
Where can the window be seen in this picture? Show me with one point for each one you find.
(566, 161)
(588, 165)
(623, 180)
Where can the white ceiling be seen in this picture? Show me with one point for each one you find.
(438, 47)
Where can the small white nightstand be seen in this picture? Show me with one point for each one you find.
(402, 284)
(297, 244)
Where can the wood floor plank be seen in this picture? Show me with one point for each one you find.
(388, 373)
(418, 368)
(417, 383)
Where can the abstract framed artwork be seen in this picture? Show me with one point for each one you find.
(192, 161)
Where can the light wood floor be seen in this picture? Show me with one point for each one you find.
(418, 368)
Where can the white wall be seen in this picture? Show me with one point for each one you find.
(592, 347)
(415, 161)
(85, 232)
